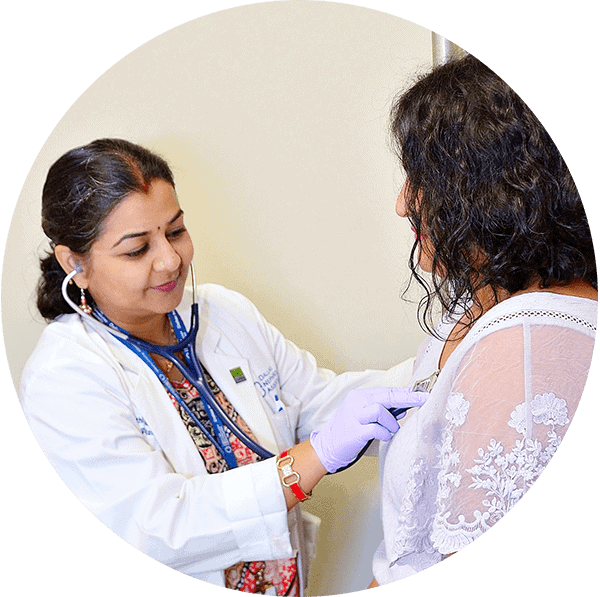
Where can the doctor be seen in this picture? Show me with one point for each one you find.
(130, 434)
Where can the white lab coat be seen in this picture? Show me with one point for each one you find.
(108, 427)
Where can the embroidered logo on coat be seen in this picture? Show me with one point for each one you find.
(238, 375)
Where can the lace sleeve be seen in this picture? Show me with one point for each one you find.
(513, 397)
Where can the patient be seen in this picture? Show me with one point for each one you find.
(502, 244)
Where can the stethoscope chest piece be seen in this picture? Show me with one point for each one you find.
(426, 384)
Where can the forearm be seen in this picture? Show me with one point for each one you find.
(309, 468)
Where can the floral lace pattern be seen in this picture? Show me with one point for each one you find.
(502, 473)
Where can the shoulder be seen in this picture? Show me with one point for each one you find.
(556, 326)
(560, 315)
(216, 294)
(66, 332)
(554, 332)
(216, 301)
(538, 309)
(225, 312)
(67, 350)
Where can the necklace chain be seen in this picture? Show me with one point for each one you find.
(168, 365)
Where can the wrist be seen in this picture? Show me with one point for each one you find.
(309, 468)
(290, 477)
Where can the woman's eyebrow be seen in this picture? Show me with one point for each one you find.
(144, 233)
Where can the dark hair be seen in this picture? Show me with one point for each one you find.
(81, 189)
(488, 187)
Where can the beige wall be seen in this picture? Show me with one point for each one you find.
(274, 118)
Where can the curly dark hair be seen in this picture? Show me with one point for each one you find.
(81, 189)
(488, 187)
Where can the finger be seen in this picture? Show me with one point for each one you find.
(367, 395)
(404, 398)
(399, 413)
(376, 413)
(390, 397)
(375, 431)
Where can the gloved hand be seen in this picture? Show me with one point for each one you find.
(363, 416)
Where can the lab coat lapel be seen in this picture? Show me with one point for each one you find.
(243, 395)
(151, 400)
(174, 438)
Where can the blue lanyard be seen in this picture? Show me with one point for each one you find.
(221, 441)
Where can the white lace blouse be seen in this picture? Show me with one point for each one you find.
(495, 417)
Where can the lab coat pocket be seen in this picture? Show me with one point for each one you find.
(292, 410)
(284, 414)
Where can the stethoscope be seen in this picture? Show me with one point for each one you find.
(191, 370)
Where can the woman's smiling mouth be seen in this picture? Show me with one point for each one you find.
(168, 287)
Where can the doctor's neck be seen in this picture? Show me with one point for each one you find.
(154, 328)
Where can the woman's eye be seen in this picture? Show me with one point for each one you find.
(176, 233)
(138, 252)
(171, 235)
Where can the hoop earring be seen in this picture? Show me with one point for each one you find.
(83, 303)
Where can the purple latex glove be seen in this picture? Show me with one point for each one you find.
(362, 417)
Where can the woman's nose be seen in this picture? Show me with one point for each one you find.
(167, 258)
(401, 201)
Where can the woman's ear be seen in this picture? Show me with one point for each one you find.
(69, 261)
